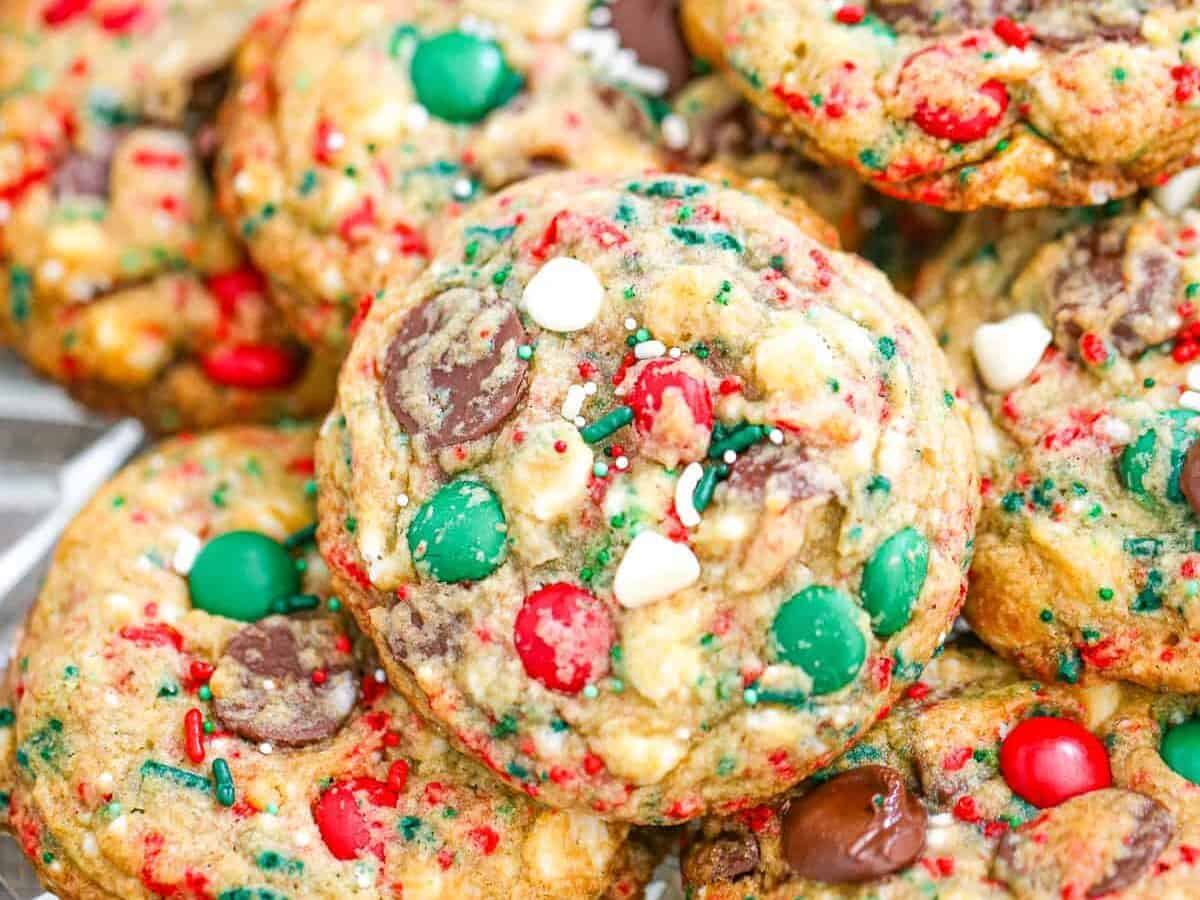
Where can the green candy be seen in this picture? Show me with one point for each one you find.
(1181, 750)
(893, 578)
(817, 630)
(461, 78)
(460, 533)
(240, 574)
(1137, 468)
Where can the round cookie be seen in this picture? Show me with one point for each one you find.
(963, 105)
(345, 152)
(980, 785)
(1076, 333)
(120, 281)
(651, 498)
(162, 749)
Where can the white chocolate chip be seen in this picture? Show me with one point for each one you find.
(649, 349)
(187, 546)
(685, 487)
(565, 295)
(1007, 352)
(653, 567)
(1177, 194)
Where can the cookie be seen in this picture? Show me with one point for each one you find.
(197, 716)
(346, 152)
(965, 105)
(980, 785)
(651, 498)
(120, 280)
(1076, 332)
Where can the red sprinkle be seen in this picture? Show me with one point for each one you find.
(193, 735)
(62, 11)
(850, 15)
(940, 122)
(319, 676)
(1012, 33)
(156, 634)
(397, 777)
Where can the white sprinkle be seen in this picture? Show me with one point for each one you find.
(111, 698)
(242, 183)
(649, 349)
(1190, 400)
(187, 547)
(729, 457)
(565, 295)
(364, 878)
(621, 462)
(331, 282)
(265, 748)
(335, 141)
(268, 684)
(675, 132)
(302, 838)
(653, 567)
(1177, 194)
(579, 421)
(383, 256)
(600, 16)
(90, 847)
(1007, 352)
(80, 290)
(649, 80)
(631, 324)
(1115, 430)
(51, 271)
(416, 117)
(402, 501)
(380, 676)
(106, 780)
(118, 602)
(1193, 377)
(685, 488)
(590, 388)
(775, 436)
(462, 189)
(674, 353)
(573, 403)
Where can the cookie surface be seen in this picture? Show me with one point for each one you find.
(346, 154)
(1076, 333)
(980, 785)
(120, 280)
(177, 735)
(963, 105)
(653, 499)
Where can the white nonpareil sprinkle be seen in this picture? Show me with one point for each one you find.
(685, 488)
(416, 117)
(268, 684)
(622, 463)
(382, 256)
(462, 189)
(380, 676)
(630, 324)
(573, 403)
(50, 271)
(1006, 352)
(729, 457)
(675, 132)
(653, 567)
(335, 141)
(565, 295)
(265, 748)
(649, 349)
(242, 184)
(402, 501)
(775, 436)
(1190, 400)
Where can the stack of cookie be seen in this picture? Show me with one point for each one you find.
(641, 514)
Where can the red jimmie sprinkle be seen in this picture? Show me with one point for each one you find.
(156, 634)
(850, 15)
(59, 12)
(122, 19)
(1012, 33)
(193, 735)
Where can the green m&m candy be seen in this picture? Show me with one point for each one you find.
(240, 574)
(1181, 749)
(817, 630)
(893, 578)
(1151, 471)
(461, 78)
(460, 533)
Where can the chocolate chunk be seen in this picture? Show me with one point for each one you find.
(264, 687)
(431, 637)
(727, 857)
(859, 825)
(1056, 23)
(1105, 839)
(84, 172)
(651, 29)
(1119, 293)
(770, 471)
(452, 372)
(1189, 477)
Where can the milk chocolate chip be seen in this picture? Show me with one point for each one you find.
(285, 681)
(860, 825)
(452, 372)
(651, 29)
(1189, 477)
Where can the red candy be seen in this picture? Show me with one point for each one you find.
(253, 366)
(1047, 760)
(1012, 33)
(343, 826)
(563, 635)
(58, 12)
(941, 122)
(230, 287)
(656, 379)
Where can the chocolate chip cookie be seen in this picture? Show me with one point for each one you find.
(970, 103)
(980, 785)
(652, 499)
(359, 132)
(197, 717)
(119, 279)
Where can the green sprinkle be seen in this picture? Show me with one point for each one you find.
(183, 778)
(1046, 616)
(887, 347)
(1105, 593)
(703, 494)
(741, 438)
(591, 691)
(750, 696)
(204, 692)
(600, 469)
(525, 351)
(301, 538)
(607, 424)
(223, 782)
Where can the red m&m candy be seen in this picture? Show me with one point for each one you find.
(251, 366)
(563, 635)
(342, 824)
(1047, 760)
(659, 377)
